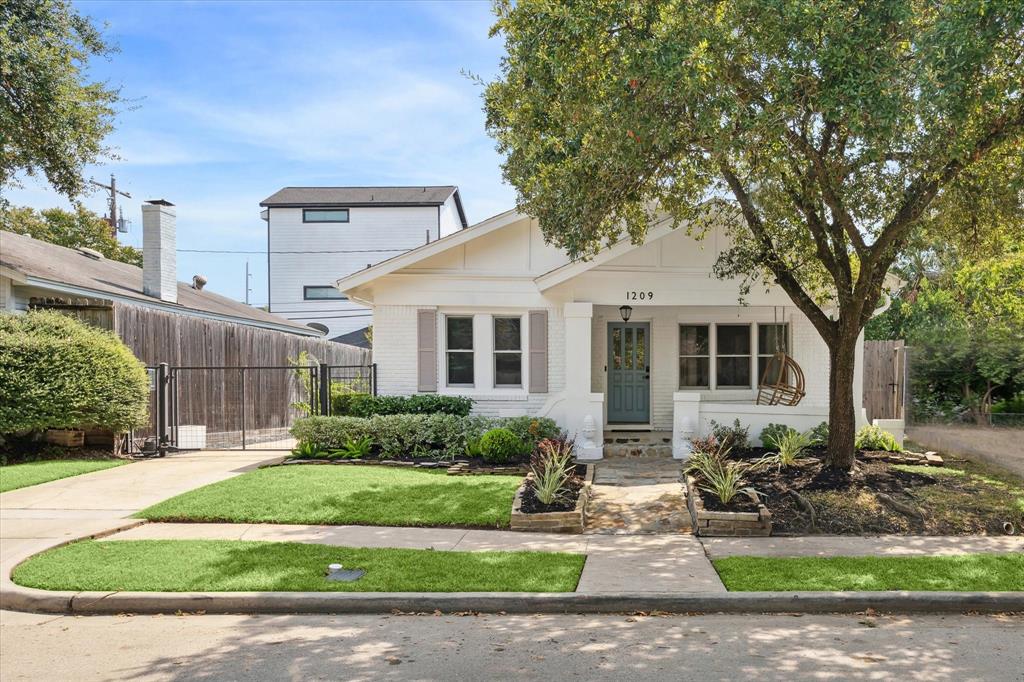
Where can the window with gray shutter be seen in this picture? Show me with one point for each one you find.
(426, 350)
(538, 351)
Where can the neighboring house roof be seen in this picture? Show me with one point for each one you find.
(37, 263)
(356, 338)
(299, 197)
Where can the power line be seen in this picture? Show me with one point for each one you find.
(295, 252)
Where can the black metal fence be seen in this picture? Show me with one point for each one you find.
(240, 407)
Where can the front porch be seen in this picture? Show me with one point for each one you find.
(669, 371)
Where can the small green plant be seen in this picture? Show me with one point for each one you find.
(791, 446)
(721, 477)
(552, 470)
(500, 445)
(473, 448)
(819, 434)
(308, 450)
(773, 433)
(353, 449)
(735, 437)
(871, 437)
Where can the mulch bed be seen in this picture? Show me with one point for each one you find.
(877, 497)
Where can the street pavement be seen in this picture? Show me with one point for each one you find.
(495, 647)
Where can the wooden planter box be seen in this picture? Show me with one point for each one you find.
(69, 438)
(725, 524)
(551, 522)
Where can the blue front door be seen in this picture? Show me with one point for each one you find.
(629, 373)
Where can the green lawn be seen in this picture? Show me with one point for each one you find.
(240, 566)
(967, 573)
(14, 476)
(364, 495)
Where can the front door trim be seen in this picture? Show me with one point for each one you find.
(628, 397)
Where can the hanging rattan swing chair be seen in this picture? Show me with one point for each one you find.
(782, 382)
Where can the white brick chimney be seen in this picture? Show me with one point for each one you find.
(159, 244)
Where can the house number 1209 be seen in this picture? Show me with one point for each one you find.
(639, 295)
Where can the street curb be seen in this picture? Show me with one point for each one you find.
(18, 598)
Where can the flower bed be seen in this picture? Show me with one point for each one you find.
(568, 516)
(716, 523)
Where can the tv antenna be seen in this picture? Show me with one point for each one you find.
(114, 218)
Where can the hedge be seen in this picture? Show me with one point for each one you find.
(57, 373)
(406, 436)
(365, 405)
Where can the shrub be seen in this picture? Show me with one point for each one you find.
(364, 405)
(307, 450)
(57, 372)
(733, 437)
(500, 445)
(773, 433)
(721, 477)
(871, 437)
(790, 447)
(532, 430)
(819, 434)
(552, 469)
(342, 398)
(707, 445)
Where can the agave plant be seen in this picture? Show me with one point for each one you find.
(552, 469)
(721, 477)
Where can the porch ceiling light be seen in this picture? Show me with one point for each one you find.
(626, 311)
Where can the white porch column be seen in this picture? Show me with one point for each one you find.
(584, 410)
(685, 422)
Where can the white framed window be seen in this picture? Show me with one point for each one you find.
(732, 356)
(694, 356)
(772, 338)
(322, 293)
(459, 350)
(508, 351)
(325, 215)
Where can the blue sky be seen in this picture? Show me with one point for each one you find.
(230, 101)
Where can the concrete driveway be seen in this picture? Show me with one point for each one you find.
(39, 516)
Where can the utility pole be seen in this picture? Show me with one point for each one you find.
(248, 280)
(113, 219)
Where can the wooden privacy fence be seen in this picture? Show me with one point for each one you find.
(885, 379)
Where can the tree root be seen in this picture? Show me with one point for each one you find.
(901, 507)
(805, 506)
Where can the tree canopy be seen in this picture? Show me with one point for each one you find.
(834, 133)
(64, 228)
(53, 119)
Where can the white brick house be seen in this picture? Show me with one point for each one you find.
(317, 234)
(494, 313)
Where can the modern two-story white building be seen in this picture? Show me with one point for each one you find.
(315, 235)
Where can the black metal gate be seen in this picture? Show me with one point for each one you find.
(241, 407)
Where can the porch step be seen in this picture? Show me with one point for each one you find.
(653, 444)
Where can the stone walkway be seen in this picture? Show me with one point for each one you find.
(884, 545)
(615, 563)
(638, 495)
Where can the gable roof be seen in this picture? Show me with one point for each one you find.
(385, 267)
(308, 197)
(38, 263)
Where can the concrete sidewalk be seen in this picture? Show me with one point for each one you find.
(883, 545)
(615, 563)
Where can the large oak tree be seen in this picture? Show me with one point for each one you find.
(830, 131)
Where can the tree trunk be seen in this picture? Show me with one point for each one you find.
(842, 404)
